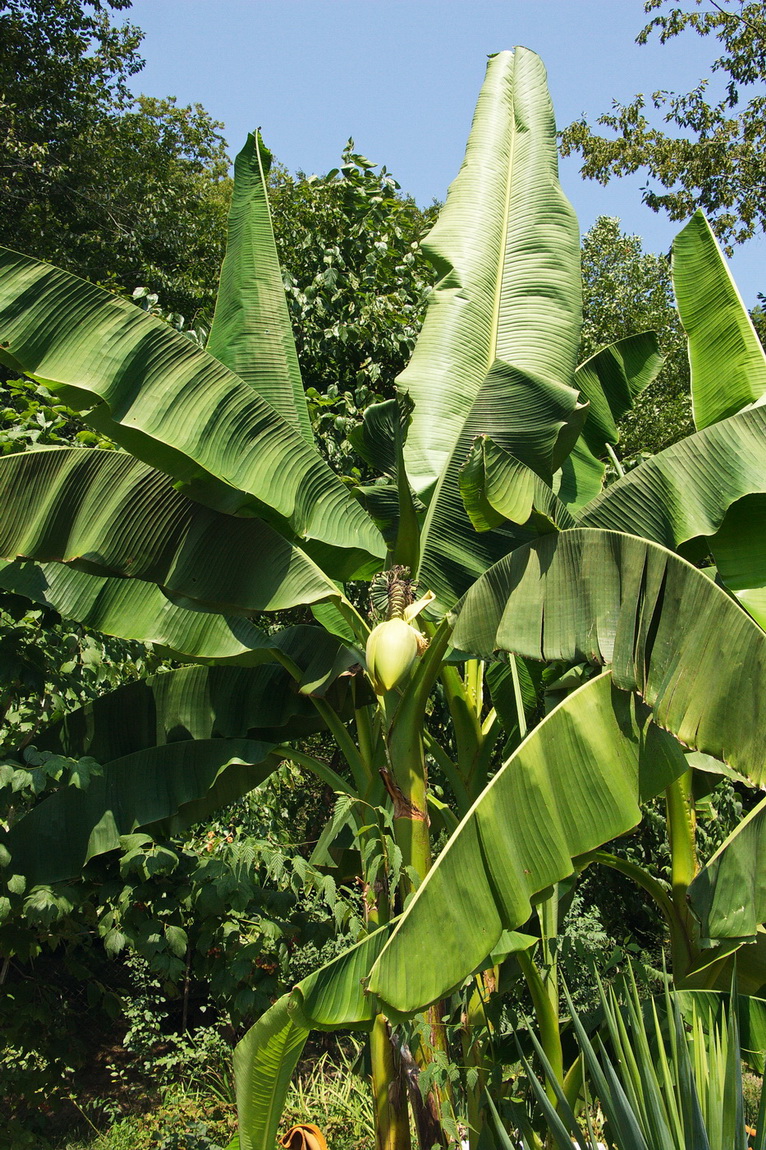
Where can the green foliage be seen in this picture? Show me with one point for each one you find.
(333, 1094)
(714, 158)
(117, 190)
(627, 290)
(356, 283)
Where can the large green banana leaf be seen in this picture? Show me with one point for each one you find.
(265, 1058)
(739, 550)
(728, 364)
(181, 781)
(497, 351)
(685, 491)
(132, 609)
(251, 332)
(728, 896)
(177, 408)
(666, 630)
(264, 1061)
(497, 488)
(111, 514)
(175, 746)
(578, 779)
(218, 702)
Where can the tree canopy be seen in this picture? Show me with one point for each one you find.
(717, 161)
(121, 191)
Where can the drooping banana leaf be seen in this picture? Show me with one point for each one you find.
(176, 407)
(132, 609)
(576, 780)
(265, 1058)
(739, 550)
(667, 631)
(174, 748)
(728, 896)
(707, 489)
(686, 490)
(111, 514)
(496, 488)
(728, 364)
(610, 381)
(264, 1061)
(497, 351)
(219, 702)
(187, 779)
(251, 332)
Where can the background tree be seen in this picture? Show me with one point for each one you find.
(357, 285)
(627, 290)
(718, 161)
(120, 191)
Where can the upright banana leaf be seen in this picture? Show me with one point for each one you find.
(251, 332)
(537, 815)
(728, 364)
(111, 514)
(728, 896)
(665, 629)
(265, 1058)
(177, 408)
(610, 381)
(497, 351)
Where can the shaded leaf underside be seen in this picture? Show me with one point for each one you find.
(114, 515)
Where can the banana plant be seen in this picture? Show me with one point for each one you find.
(218, 508)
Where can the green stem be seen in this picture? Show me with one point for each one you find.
(322, 770)
(450, 770)
(613, 456)
(680, 941)
(682, 835)
(392, 1123)
(547, 1019)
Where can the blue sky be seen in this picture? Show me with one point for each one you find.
(402, 77)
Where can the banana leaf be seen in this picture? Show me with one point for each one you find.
(576, 781)
(497, 488)
(111, 514)
(251, 332)
(685, 491)
(728, 364)
(265, 1058)
(177, 408)
(496, 354)
(728, 895)
(610, 381)
(174, 748)
(132, 609)
(667, 631)
(264, 1061)
(739, 550)
(187, 779)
